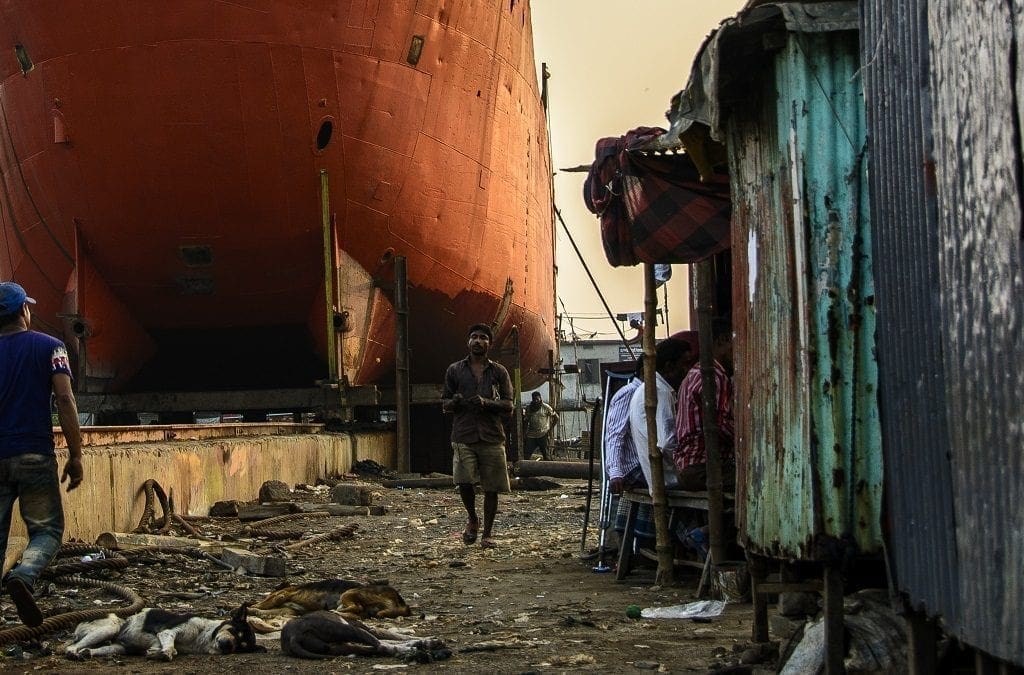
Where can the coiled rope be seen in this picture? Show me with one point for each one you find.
(69, 620)
(69, 574)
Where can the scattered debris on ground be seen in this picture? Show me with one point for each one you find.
(531, 604)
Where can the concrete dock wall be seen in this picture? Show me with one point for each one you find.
(201, 471)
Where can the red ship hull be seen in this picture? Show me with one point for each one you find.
(161, 167)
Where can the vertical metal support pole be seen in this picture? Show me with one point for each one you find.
(325, 221)
(402, 363)
(709, 409)
(663, 546)
(834, 637)
(664, 295)
(552, 386)
(517, 397)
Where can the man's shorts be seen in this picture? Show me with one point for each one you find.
(482, 463)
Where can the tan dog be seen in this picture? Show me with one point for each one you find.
(351, 599)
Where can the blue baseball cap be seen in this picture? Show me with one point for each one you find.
(12, 298)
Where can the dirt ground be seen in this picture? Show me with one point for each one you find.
(530, 605)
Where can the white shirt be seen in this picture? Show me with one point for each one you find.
(666, 426)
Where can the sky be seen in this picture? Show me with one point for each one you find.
(614, 66)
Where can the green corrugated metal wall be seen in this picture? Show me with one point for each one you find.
(807, 413)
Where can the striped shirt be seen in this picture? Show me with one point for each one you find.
(619, 452)
(689, 425)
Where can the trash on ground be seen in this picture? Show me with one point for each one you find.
(692, 610)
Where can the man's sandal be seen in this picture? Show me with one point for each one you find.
(469, 534)
(488, 542)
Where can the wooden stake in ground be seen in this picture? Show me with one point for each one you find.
(709, 410)
(664, 547)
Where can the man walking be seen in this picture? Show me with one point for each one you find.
(32, 367)
(479, 392)
(539, 419)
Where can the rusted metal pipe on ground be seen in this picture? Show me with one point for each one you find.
(533, 468)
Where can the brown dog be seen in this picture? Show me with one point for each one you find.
(351, 599)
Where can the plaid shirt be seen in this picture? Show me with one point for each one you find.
(689, 424)
(619, 452)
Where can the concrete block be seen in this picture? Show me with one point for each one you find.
(261, 565)
(352, 494)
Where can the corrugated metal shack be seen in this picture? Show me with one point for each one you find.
(943, 81)
(778, 85)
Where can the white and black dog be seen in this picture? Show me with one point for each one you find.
(160, 634)
(326, 635)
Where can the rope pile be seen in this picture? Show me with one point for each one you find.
(262, 529)
(97, 559)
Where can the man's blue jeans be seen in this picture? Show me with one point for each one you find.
(32, 480)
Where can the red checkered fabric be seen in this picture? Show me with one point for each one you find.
(654, 208)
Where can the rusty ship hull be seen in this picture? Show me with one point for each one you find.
(210, 195)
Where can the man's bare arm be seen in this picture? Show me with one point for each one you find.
(67, 414)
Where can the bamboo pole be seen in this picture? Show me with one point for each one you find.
(664, 545)
(709, 409)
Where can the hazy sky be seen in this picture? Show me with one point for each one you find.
(614, 66)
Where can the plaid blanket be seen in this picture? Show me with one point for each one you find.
(654, 208)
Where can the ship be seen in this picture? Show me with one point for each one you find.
(210, 195)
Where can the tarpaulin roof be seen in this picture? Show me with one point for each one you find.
(723, 61)
(655, 208)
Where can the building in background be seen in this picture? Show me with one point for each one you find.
(580, 381)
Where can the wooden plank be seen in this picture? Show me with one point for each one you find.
(250, 512)
(122, 540)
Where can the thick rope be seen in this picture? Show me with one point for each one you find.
(264, 524)
(69, 574)
(146, 522)
(337, 533)
(71, 619)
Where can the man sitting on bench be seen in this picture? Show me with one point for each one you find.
(689, 454)
(672, 358)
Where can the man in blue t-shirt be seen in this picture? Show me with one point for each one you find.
(33, 366)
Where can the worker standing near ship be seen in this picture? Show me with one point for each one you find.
(478, 391)
(540, 417)
(32, 367)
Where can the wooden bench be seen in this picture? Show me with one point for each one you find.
(674, 499)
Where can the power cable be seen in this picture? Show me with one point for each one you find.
(586, 268)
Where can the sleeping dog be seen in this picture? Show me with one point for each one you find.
(325, 635)
(352, 599)
(160, 634)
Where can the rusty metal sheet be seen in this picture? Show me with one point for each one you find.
(807, 413)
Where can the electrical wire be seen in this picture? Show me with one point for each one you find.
(586, 268)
